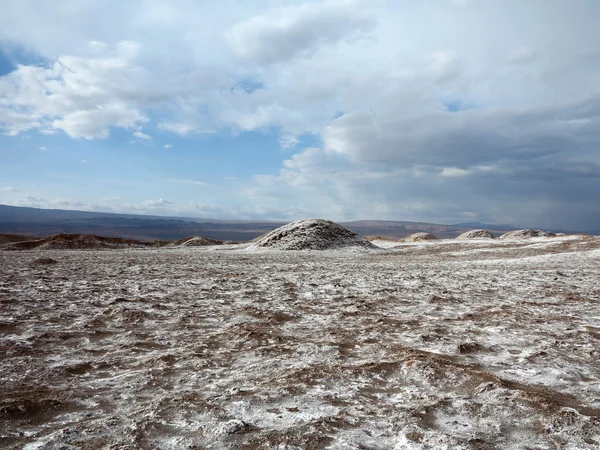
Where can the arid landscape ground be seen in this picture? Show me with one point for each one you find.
(436, 344)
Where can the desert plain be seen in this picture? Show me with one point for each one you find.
(446, 344)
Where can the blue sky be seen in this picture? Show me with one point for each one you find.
(444, 111)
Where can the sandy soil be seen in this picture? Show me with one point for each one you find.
(450, 344)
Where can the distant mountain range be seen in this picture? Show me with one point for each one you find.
(45, 222)
(484, 226)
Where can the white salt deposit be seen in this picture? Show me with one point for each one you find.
(199, 241)
(524, 234)
(416, 237)
(446, 344)
(476, 234)
(311, 234)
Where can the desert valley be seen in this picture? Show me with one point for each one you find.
(307, 337)
(299, 225)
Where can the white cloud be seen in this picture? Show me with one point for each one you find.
(288, 140)
(116, 85)
(82, 96)
(43, 149)
(95, 123)
(454, 172)
(515, 165)
(522, 55)
(183, 128)
(168, 146)
(140, 135)
(399, 96)
(12, 122)
(71, 204)
(474, 137)
(33, 199)
(443, 65)
(157, 203)
(10, 188)
(299, 30)
(178, 180)
(98, 47)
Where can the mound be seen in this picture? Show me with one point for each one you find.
(197, 241)
(476, 234)
(75, 242)
(524, 234)
(416, 237)
(311, 234)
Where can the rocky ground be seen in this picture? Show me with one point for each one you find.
(479, 344)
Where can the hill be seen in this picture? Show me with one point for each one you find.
(93, 242)
(311, 234)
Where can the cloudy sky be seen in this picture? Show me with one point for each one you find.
(440, 110)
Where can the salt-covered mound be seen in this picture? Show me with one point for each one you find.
(416, 237)
(311, 234)
(76, 242)
(476, 234)
(197, 241)
(524, 234)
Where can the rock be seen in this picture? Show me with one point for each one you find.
(236, 426)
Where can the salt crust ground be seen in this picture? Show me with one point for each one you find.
(437, 345)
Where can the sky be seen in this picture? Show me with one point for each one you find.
(441, 111)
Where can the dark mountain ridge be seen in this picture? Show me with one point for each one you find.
(46, 222)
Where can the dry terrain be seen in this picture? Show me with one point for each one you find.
(477, 344)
